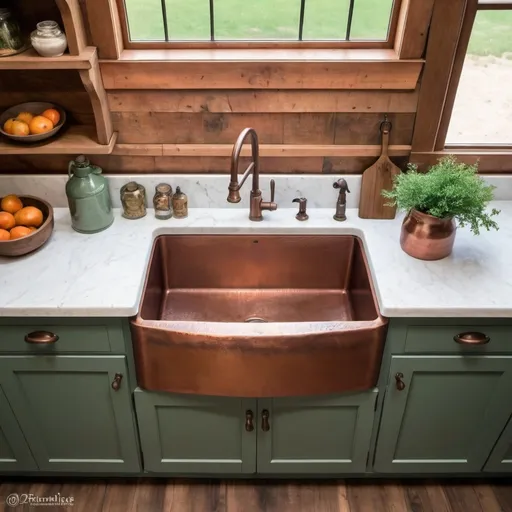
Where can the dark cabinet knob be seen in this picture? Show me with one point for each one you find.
(472, 338)
(400, 384)
(41, 338)
(265, 424)
(116, 383)
(249, 417)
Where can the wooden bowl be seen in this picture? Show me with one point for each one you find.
(36, 239)
(36, 108)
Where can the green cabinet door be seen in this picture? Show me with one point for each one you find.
(447, 414)
(315, 435)
(500, 460)
(196, 434)
(14, 452)
(72, 417)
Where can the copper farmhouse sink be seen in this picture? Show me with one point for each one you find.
(257, 316)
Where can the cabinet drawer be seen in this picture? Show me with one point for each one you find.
(72, 338)
(439, 339)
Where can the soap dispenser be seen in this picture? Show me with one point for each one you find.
(88, 196)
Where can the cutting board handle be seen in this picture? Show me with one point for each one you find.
(385, 130)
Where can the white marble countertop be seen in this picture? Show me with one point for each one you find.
(102, 274)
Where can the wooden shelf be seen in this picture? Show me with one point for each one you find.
(75, 140)
(31, 60)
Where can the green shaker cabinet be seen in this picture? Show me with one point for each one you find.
(501, 457)
(196, 434)
(75, 411)
(315, 435)
(14, 452)
(443, 414)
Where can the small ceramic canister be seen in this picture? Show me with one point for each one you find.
(162, 201)
(179, 204)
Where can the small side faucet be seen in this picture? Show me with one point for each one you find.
(257, 204)
(341, 203)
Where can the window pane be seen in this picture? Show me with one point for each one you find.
(145, 20)
(257, 19)
(370, 20)
(188, 20)
(482, 113)
(325, 19)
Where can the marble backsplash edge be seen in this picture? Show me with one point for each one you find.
(210, 190)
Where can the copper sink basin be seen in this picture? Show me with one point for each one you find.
(266, 315)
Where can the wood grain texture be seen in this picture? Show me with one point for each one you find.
(32, 60)
(186, 495)
(104, 24)
(73, 25)
(488, 161)
(413, 28)
(204, 128)
(444, 34)
(402, 75)
(36, 81)
(254, 101)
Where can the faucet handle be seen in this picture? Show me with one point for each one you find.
(342, 185)
(272, 190)
(270, 205)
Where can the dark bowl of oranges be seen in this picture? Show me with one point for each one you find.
(32, 122)
(26, 223)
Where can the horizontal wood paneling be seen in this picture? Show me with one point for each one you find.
(488, 161)
(289, 101)
(177, 165)
(55, 80)
(205, 128)
(402, 75)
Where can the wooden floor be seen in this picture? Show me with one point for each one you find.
(268, 496)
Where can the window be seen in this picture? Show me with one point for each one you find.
(356, 23)
(482, 112)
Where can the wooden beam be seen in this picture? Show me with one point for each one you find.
(444, 35)
(32, 60)
(266, 150)
(254, 101)
(413, 24)
(488, 161)
(105, 27)
(73, 25)
(393, 74)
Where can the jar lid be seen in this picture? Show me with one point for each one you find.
(131, 186)
(163, 188)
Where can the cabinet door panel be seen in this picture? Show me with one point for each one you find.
(195, 434)
(14, 452)
(500, 460)
(448, 416)
(316, 435)
(71, 416)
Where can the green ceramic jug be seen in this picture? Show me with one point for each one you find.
(88, 197)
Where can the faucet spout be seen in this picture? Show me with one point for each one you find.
(256, 202)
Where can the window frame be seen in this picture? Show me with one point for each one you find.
(291, 44)
(434, 114)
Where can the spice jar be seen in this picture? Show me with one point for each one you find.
(179, 204)
(133, 199)
(48, 40)
(162, 201)
(11, 39)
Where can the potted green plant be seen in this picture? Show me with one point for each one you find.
(450, 191)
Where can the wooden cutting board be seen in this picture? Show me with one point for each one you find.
(372, 205)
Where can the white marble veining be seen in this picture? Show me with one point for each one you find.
(203, 190)
(102, 274)
(210, 190)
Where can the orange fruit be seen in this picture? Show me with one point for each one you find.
(4, 235)
(29, 216)
(19, 128)
(26, 117)
(11, 204)
(19, 232)
(7, 221)
(53, 115)
(40, 125)
(8, 125)
(32, 228)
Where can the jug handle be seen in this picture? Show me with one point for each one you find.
(69, 168)
(96, 169)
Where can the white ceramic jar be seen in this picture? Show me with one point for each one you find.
(49, 40)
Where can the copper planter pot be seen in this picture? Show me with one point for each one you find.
(426, 237)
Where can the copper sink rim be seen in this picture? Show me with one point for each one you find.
(259, 330)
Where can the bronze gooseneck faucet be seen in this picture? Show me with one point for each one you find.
(257, 204)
